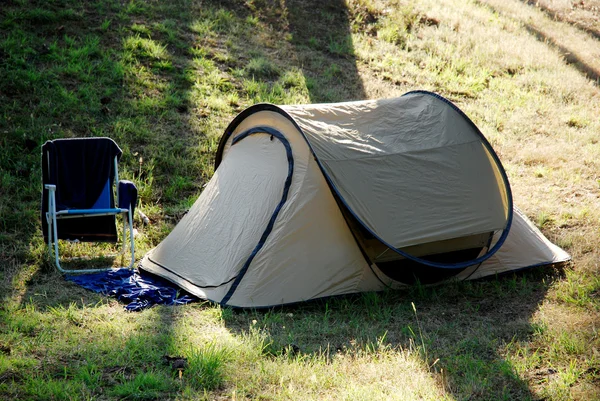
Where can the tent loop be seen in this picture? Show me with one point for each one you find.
(286, 188)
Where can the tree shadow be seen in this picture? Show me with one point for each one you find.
(169, 48)
(320, 35)
(559, 16)
(570, 57)
(162, 48)
(163, 79)
(461, 331)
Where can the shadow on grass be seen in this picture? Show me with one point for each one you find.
(461, 330)
(570, 57)
(320, 36)
(558, 16)
(163, 80)
(173, 75)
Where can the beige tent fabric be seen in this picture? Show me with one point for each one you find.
(310, 251)
(524, 247)
(416, 158)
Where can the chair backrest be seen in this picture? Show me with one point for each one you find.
(83, 170)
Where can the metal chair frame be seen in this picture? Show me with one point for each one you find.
(52, 216)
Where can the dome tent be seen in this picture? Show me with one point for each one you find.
(319, 200)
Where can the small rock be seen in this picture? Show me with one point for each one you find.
(176, 362)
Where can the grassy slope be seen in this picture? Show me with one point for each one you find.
(164, 79)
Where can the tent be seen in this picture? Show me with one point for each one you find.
(312, 201)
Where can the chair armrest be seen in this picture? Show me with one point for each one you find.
(127, 195)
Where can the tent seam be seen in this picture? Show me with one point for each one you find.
(189, 281)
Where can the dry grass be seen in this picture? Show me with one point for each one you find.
(585, 15)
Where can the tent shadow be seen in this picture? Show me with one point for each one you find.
(461, 332)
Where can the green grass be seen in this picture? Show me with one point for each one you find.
(206, 366)
(261, 68)
(165, 78)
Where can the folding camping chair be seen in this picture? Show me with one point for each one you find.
(78, 202)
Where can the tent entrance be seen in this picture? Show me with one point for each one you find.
(407, 271)
(410, 272)
(384, 254)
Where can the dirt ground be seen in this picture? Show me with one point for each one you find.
(584, 14)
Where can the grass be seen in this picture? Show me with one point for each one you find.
(165, 78)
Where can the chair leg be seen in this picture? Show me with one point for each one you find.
(53, 237)
(49, 240)
(52, 229)
(70, 271)
(123, 248)
(128, 222)
(131, 243)
(49, 223)
(49, 219)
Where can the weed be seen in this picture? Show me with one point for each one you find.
(203, 27)
(543, 219)
(333, 71)
(46, 388)
(341, 46)
(224, 20)
(142, 47)
(206, 365)
(141, 29)
(135, 7)
(577, 122)
(260, 68)
(90, 375)
(105, 24)
(144, 386)
(293, 78)
(393, 34)
(423, 348)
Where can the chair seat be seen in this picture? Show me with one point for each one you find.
(91, 211)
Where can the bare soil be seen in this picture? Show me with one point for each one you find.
(584, 14)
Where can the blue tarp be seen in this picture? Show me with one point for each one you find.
(137, 291)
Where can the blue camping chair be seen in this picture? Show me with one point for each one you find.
(78, 201)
